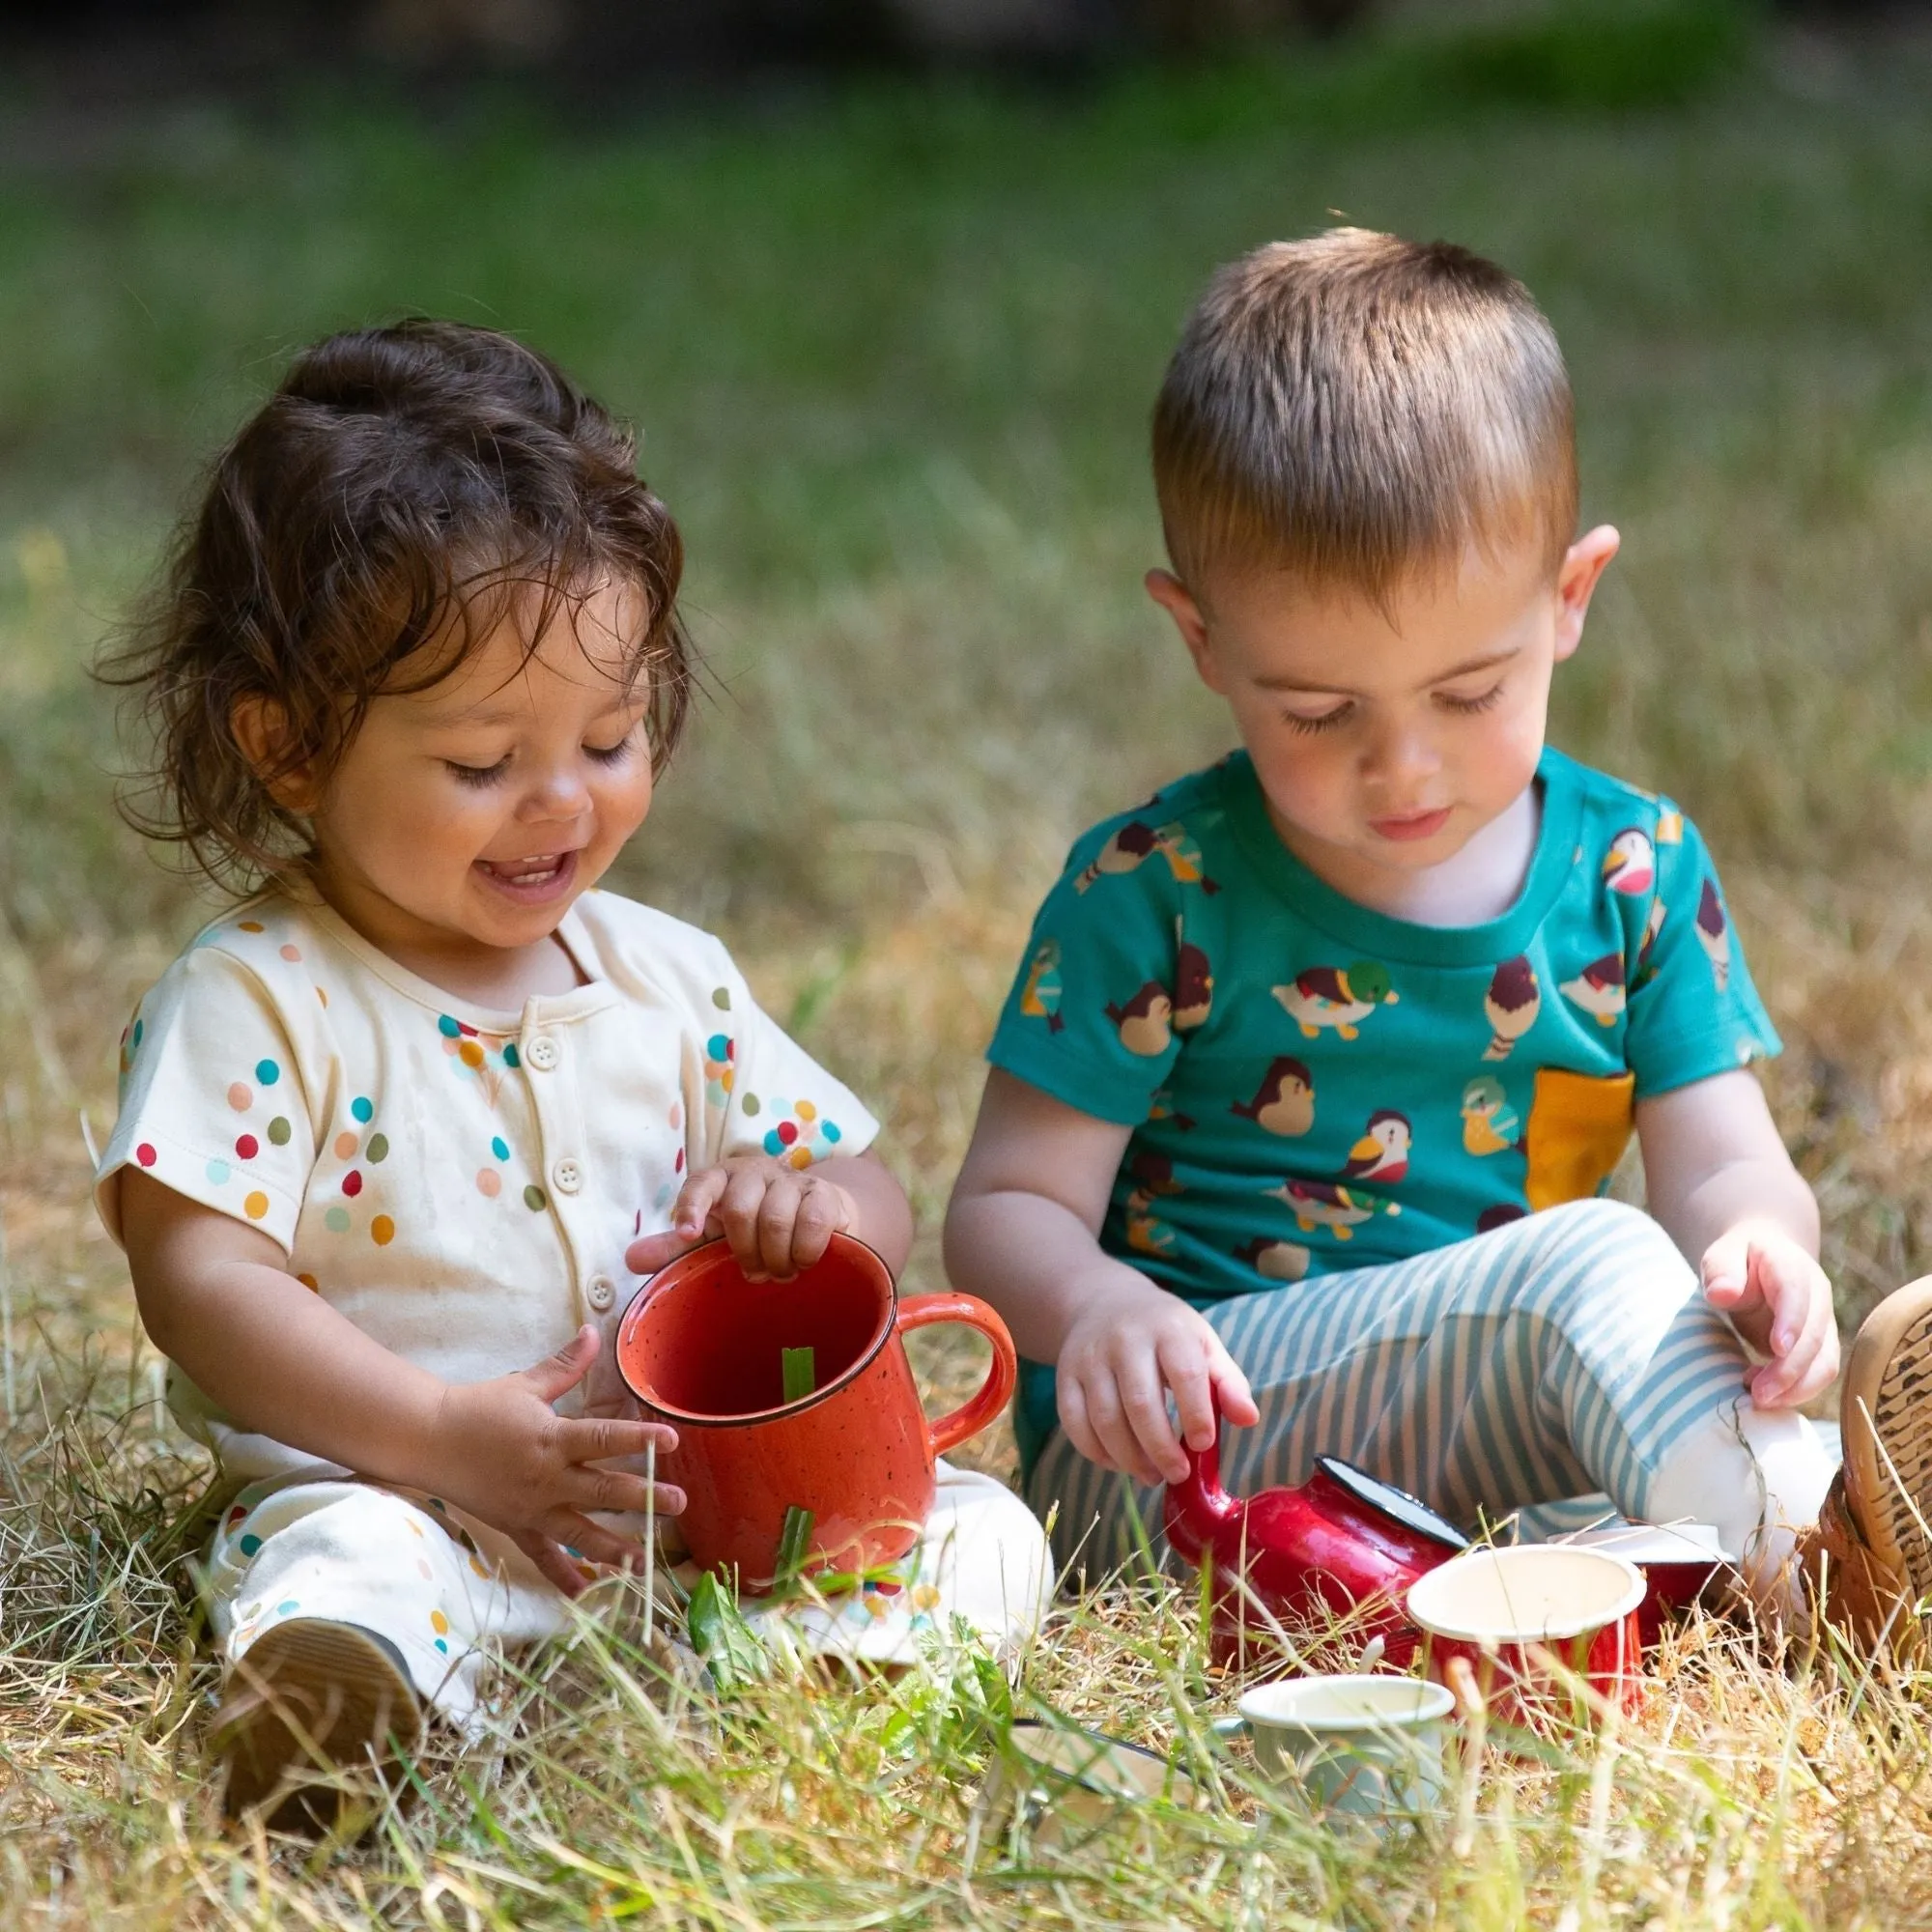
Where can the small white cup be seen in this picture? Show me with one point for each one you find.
(1068, 1783)
(1364, 1747)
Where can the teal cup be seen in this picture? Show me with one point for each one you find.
(1368, 1747)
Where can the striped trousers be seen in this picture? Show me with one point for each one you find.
(1565, 1367)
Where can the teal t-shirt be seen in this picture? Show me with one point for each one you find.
(1314, 1086)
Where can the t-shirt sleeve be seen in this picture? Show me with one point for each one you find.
(205, 1045)
(1692, 1010)
(767, 1095)
(1090, 1019)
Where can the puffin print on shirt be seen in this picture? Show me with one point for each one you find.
(1311, 1085)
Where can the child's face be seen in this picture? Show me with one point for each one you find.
(476, 811)
(1388, 738)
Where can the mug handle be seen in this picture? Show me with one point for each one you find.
(924, 1311)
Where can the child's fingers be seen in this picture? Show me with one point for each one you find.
(1158, 1456)
(591, 1540)
(1186, 1372)
(604, 1439)
(1798, 1295)
(1727, 1271)
(1805, 1361)
(777, 1224)
(649, 1253)
(1231, 1385)
(558, 1374)
(824, 1211)
(617, 1492)
(1119, 1447)
(690, 1216)
(1077, 1422)
(551, 1560)
(1808, 1372)
(737, 1214)
(698, 1201)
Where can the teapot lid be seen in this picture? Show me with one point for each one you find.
(1411, 1512)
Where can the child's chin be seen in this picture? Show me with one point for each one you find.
(1414, 855)
(508, 925)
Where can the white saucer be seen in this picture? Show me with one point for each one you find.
(982, 1559)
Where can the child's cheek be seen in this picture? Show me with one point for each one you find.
(1308, 783)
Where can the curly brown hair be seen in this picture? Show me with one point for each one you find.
(405, 485)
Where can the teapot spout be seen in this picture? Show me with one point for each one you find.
(1199, 1512)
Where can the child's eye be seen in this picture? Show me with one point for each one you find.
(614, 755)
(1453, 702)
(476, 774)
(1328, 720)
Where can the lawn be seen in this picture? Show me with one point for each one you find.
(892, 347)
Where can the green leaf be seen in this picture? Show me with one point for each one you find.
(721, 1635)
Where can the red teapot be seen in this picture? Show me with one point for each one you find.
(1344, 1542)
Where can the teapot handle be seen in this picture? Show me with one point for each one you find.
(924, 1311)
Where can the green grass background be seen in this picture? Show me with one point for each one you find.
(891, 348)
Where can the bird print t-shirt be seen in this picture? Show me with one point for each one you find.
(1314, 1086)
(459, 1183)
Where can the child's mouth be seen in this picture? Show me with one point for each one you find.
(531, 881)
(1416, 825)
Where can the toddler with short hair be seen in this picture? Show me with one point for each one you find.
(1306, 1095)
(399, 1129)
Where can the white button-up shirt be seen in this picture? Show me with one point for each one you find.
(460, 1184)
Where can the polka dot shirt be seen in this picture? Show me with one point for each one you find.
(461, 1184)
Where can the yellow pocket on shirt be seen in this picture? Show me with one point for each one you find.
(1578, 1127)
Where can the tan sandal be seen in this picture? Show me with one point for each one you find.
(1872, 1547)
(310, 1700)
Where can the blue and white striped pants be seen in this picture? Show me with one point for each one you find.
(1566, 1355)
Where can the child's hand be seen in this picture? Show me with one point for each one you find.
(1121, 1357)
(776, 1218)
(1781, 1301)
(504, 1453)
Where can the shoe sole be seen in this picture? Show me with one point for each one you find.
(308, 1700)
(1886, 1412)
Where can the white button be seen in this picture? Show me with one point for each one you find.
(600, 1291)
(567, 1176)
(543, 1053)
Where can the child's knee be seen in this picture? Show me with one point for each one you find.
(346, 1552)
(1611, 1248)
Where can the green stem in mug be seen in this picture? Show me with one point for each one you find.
(800, 1370)
(793, 1541)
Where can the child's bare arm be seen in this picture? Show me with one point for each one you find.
(217, 1298)
(1022, 1233)
(1721, 1182)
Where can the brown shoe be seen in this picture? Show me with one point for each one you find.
(1874, 1534)
(308, 1700)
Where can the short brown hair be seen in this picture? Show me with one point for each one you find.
(404, 485)
(1354, 406)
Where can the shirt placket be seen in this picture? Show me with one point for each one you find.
(552, 1050)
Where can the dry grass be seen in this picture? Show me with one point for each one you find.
(894, 366)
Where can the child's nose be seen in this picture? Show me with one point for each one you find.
(1400, 753)
(559, 794)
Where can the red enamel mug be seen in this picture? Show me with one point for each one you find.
(704, 1349)
(1533, 1622)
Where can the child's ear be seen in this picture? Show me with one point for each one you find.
(1576, 578)
(261, 727)
(1177, 601)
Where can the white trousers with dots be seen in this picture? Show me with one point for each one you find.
(445, 1590)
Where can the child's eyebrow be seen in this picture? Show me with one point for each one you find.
(1486, 662)
(498, 714)
(485, 716)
